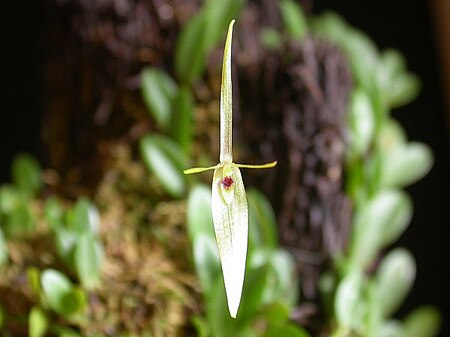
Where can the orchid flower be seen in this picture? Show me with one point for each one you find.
(229, 200)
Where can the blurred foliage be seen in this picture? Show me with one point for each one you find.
(380, 162)
(124, 265)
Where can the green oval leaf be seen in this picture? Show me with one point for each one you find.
(283, 279)
(393, 281)
(27, 174)
(363, 56)
(361, 121)
(33, 279)
(181, 122)
(263, 229)
(218, 15)
(54, 212)
(165, 160)
(19, 221)
(276, 313)
(190, 55)
(270, 38)
(253, 292)
(199, 218)
(391, 328)
(294, 19)
(330, 26)
(406, 164)
(84, 217)
(65, 241)
(423, 322)
(378, 223)
(9, 198)
(200, 35)
(222, 325)
(206, 259)
(88, 260)
(350, 305)
(57, 289)
(391, 136)
(158, 91)
(37, 323)
(3, 249)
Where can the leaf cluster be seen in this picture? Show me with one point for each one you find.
(362, 295)
(75, 231)
(380, 163)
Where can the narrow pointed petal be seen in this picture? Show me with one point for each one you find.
(263, 166)
(226, 102)
(199, 169)
(230, 217)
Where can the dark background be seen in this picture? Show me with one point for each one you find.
(403, 24)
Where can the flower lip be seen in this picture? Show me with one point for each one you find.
(227, 182)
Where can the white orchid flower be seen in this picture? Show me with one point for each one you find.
(229, 200)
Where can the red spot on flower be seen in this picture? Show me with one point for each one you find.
(227, 182)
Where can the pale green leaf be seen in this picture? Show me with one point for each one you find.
(361, 121)
(350, 304)
(9, 198)
(181, 121)
(65, 241)
(221, 323)
(378, 223)
(85, 217)
(164, 159)
(37, 323)
(405, 164)
(20, 221)
(218, 14)
(158, 91)
(398, 87)
(199, 218)
(393, 281)
(423, 322)
(391, 135)
(54, 212)
(270, 38)
(391, 328)
(3, 249)
(253, 292)
(88, 256)
(263, 230)
(56, 287)
(200, 35)
(230, 217)
(190, 53)
(277, 312)
(27, 174)
(294, 19)
(34, 282)
(206, 259)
